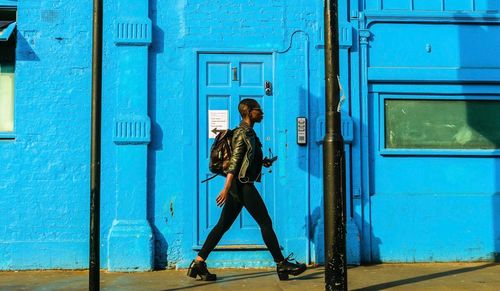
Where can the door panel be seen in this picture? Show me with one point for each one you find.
(224, 80)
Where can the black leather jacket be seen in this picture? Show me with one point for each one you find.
(246, 160)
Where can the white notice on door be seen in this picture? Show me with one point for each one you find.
(217, 119)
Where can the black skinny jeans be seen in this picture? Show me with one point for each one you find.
(243, 195)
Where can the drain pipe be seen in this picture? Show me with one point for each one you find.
(333, 160)
(95, 160)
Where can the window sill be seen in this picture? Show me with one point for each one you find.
(7, 136)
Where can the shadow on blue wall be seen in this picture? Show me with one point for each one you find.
(476, 120)
(314, 219)
(156, 49)
(496, 195)
(24, 50)
(316, 235)
(316, 232)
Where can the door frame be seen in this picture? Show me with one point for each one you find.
(196, 245)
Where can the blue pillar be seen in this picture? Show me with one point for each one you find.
(131, 241)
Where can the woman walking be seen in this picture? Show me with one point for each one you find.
(239, 191)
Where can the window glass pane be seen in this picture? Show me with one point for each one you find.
(6, 102)
(442, 124)
(6, 87)
(7, 65)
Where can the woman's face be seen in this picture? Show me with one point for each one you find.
(256, 114)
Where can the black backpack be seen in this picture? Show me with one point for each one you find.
(220, 153)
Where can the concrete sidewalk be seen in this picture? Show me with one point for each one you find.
(457, 276)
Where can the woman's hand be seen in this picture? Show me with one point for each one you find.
(221, 199)
(267, 162)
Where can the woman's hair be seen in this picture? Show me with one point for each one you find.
(246, 105)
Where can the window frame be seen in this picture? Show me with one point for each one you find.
(11, 6)
(6, 4)
(380, 116)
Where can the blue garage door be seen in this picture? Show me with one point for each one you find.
(224, 80)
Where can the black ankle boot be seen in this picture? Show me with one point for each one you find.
(286, 267)
(199, 268)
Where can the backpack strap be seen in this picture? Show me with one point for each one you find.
(208, 179)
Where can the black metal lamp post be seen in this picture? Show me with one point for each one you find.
(333, 160)
(95, 167)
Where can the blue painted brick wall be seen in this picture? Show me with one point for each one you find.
(434, 5)
(181, 28)
(46, 167)
(44, 172)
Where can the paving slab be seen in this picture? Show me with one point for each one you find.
(440, 276)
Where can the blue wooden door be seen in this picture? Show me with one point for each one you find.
(224, 80)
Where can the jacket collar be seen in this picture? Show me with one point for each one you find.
(244, 125)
